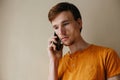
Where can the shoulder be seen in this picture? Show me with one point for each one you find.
(103, 49)
(105, 53)
(110, 59)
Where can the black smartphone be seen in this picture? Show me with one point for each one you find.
(58, 44)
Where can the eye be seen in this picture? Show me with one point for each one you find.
(55, 27)
(65, 23)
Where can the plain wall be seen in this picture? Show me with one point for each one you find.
(25, 30)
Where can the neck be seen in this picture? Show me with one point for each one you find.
(78, 45)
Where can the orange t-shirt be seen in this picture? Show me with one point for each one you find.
(93, 63)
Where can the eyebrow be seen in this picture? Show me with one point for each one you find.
(67, 20)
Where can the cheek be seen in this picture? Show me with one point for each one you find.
(69, 30)
(72, 29)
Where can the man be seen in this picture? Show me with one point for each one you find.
(84, 61)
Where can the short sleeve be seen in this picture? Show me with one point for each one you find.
(112, 63)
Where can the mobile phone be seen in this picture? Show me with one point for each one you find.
(58, 45)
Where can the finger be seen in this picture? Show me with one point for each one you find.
(51, 50)
(52, 46)
(51, 40)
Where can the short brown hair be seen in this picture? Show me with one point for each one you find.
(63, 6)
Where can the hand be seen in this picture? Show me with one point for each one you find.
(54, 55)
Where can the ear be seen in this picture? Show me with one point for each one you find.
(79, 21)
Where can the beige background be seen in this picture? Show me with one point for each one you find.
(25, 29)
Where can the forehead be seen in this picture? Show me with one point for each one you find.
(63, 16)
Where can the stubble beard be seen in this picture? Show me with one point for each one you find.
(69, 43)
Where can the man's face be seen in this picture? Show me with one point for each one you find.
(67, 29)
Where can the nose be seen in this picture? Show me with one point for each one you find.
(61, 31)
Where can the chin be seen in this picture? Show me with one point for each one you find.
(68, 43)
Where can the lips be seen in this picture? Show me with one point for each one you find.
(64, 39)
